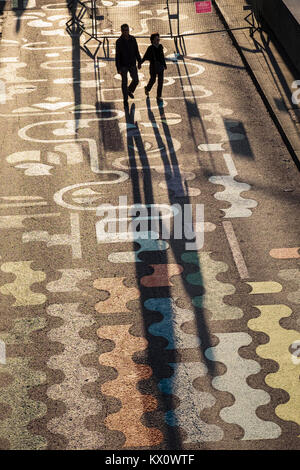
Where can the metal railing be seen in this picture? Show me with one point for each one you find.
(81, 9)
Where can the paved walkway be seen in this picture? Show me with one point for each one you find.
(114, 341)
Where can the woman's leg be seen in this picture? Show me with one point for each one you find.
(160, 84)
(152, 79)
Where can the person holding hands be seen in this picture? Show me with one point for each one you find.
(155, 55)
(127, 54)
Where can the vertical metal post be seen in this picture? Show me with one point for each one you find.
(178, 26)
(93, 16)
(170, 23)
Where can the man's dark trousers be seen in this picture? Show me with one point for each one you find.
(132, 69)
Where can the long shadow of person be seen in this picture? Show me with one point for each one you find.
(2, 7)
(157, 356)
(19, 10)
(75, 35)
(178, 194)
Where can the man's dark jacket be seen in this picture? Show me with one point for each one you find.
(127, 52)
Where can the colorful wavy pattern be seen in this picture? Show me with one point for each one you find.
(133, 256)
(234, 381)
(20, 288)
(125, 387)
(265, 287)
(78, 407)
(293, 276)
(215, 291)
(17, 378)
(170, 327)
(278, 349)
(192, 402)
(119, 295)
(162, 275)
(285, 253)
(69, 279)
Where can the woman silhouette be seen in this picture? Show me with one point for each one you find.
(155, 55)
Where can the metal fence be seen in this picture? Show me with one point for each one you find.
(100, 20)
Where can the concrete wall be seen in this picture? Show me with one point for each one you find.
(283, 17)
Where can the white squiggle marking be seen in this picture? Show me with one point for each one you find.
(199, 70)
(9, 42)
(73, 152)
(35, 169)
(39, 24)
(65, 239)
(240, 207)
(4, 60)
(89, 67)
(54, 32)
(53, 106)
(83, 83)
(69, 128)
(234, 381)
(32, 46)
(10, 71)
(58, 196)
(68, 281)
(34, 155)
(55, 5)
(78, 406)
(216, 116)
(192, 88)
(128, 3)
(211, 147)
(2, 92)
(2, 352)
(57, 17)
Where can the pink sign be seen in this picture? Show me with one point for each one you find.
(203, 6)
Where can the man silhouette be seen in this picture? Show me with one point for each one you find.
(127, 54)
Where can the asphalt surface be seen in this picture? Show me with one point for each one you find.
(111, 343)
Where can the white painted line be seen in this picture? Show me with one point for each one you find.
(20, 198)
(9, 59)
(230, 165)
(211, 147)
(236, 251)
(75, 235)
(2, 352)
(2, 92)
(24, 204)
